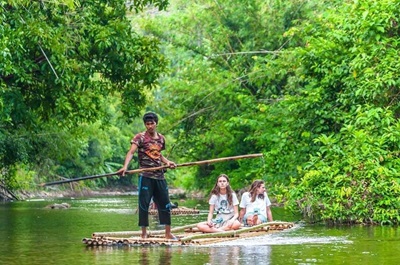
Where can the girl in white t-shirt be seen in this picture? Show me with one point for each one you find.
(224, 202)
(255, 205)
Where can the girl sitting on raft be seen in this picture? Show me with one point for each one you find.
(224, 202)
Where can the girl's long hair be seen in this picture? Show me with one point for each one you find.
(229, 191)
(253, 189)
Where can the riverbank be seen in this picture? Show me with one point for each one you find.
(176, 193)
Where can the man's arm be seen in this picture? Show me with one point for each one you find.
(128, 159)
(168, 162)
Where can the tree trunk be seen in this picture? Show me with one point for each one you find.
(6, 194)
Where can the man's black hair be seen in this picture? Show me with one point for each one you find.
(150, 116)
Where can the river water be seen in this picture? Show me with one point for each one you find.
(32, 234)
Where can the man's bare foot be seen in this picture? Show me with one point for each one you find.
(171, 237)
(144, 236)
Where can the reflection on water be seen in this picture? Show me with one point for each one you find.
(286, 237)
(118, 211)
(147, 256)
(32, 234)
(133, 255)
(223, 257)
(238, 255)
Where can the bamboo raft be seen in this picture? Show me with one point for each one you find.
(177, 211)
(186, 235)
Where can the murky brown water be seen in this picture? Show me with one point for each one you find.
(33, 235)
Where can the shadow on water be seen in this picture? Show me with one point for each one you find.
(32, 234)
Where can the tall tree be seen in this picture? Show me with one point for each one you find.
(60, 63)
(346, 80)
(214, 89)
(316, 90)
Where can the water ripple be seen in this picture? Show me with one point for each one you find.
(285, 239)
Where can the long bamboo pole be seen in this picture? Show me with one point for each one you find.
(140, 170)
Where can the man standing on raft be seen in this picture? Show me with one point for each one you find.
(152, 184)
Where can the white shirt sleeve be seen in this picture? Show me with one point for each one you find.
(213, 200)
(235, 200)
(266, 199)
(243, 200)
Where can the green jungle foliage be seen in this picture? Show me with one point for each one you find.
(68, 71)
(215, 92)
(313, 85)
(349, 67)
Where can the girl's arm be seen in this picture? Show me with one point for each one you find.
(210, 215)
(269, 214)
(236, 209)
(234, 220)
(242, 213)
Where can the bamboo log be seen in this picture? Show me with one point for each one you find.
(196, 238)
(177, 211)
(190, 227)
(233, 233)
(111, 241)
(120, 234)
(136, 240)
(183, 228)
(140, 170)
(138, 233)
